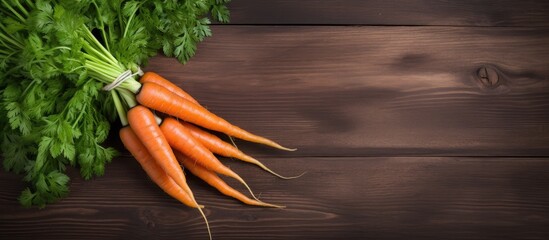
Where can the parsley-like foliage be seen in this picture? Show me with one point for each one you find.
(56, 55)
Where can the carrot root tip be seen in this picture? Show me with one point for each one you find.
(288, 149)
(292, 177)
(264, 204)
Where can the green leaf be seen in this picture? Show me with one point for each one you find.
(43, 150)
(26, 198)
(56, 148)
(42, 20)
(69, 152)
(102, 131)
(12, 92)
(14, 153)
(85, 160)
(65, 132)
(41, 184)
(220, 13)
(201, 30)
(110, 153)
(49, 188)
(129, 8)
(13, 26)
(59, 178)
(18, 119)
(99, 169)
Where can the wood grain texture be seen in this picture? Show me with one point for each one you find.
(357, 91)
(351, 198)
(382, 12)
(434, 125)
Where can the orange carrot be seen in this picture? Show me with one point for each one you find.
(151, 77)
(144, 124)
(220, 147)
(181, 139)
(156, 173)
(215, 181)
(161, 99)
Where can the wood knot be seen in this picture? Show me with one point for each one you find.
(148, 217)
(488, 77)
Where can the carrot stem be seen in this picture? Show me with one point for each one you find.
(128, 97)
(105, 53)
(119, 108)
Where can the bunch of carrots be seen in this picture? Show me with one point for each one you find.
(161, 145)
(57, 55)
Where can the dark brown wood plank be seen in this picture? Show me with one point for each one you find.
(381, 12)
(351, 198)
(355, 91)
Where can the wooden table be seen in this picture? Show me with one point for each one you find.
(413, 119)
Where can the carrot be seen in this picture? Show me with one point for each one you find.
(151, 77)
(220, 147)
(156, 173)
(161, 99)
(181, 139)
(144, 124)
(215, 181)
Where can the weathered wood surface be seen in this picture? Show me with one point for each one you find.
(339, 198)
(438, 129)
(356, 91)
(392, 12)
